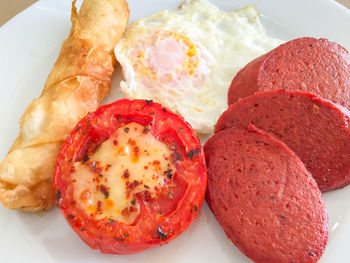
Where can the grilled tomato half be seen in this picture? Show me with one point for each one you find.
(130, 176)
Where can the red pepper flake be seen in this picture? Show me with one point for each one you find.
(125, 212)
(115, 142)
(156, 162)
(72, 169)
(94, 167)
(126, 130)
(77, 129)
(98, 208)
(104, 190)
(147, 195)
(131, 142)
(145, 167)
(126, 174)
(134, 184)
(107, 167)
(136, 154)
(133, 202)
(136, 151)
(82, 228)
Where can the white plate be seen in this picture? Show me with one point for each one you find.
(29, 45)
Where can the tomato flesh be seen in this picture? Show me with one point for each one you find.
(163, 215)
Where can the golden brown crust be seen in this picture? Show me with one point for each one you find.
(79, 80)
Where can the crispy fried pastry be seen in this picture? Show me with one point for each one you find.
(81, 77)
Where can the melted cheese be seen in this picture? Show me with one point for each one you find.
(129, 162)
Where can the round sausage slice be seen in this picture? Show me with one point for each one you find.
(315, 129)
(306, 64)
(264, 198)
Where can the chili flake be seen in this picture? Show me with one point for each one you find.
(126, 174)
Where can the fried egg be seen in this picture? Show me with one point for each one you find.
(186, 59)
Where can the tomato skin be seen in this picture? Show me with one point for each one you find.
(149, 229)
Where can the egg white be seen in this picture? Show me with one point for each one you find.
(222, 43)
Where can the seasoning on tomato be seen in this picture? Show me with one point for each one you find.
(130, 176)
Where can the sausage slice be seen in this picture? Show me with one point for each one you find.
(263, 197)
(306, 64)
(317, 130)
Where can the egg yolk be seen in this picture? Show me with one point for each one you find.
(166, 58)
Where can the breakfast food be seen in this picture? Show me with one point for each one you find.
(305, 64)
(79, 80)
(263, 197)
(186, 59)
(130, 176)
(317, 130)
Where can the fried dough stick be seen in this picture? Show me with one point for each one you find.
(79, 80)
